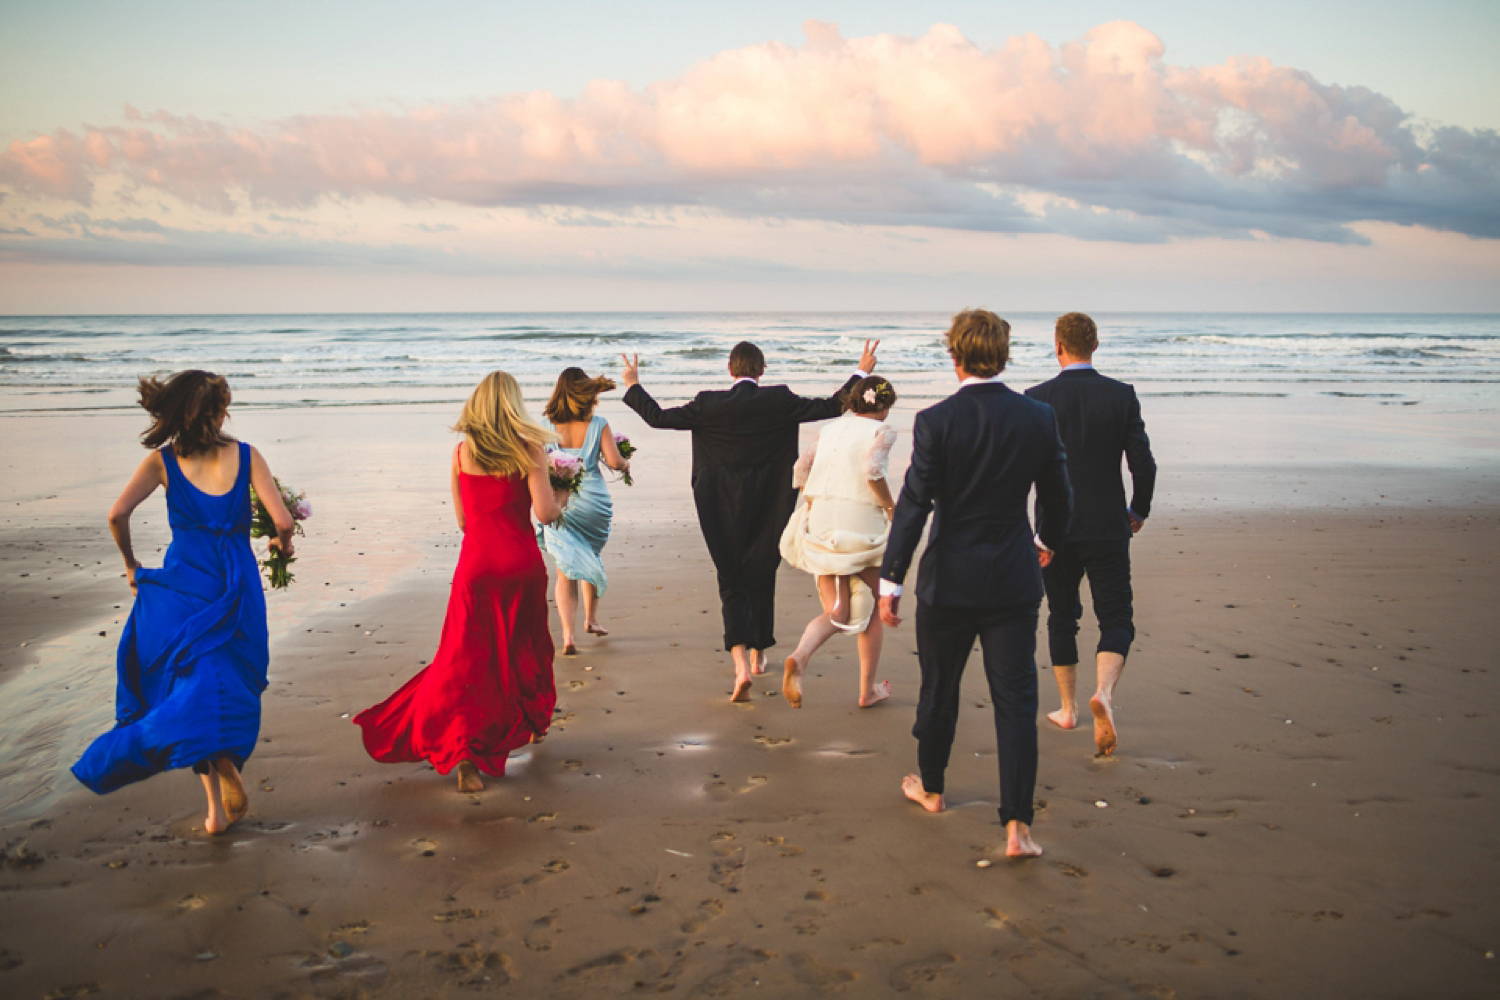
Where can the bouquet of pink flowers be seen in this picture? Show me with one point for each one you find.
(261, 526)
(626, 450)
(566, 471)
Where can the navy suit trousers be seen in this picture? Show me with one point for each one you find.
(1107, 565)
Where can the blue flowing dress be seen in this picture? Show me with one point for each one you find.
(576, 542)
(193, 657)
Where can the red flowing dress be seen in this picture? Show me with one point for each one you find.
(489, 688)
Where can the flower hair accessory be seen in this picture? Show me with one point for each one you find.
(870, 396)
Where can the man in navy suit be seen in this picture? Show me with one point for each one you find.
(1100, 420)
(975, 457)
(744, 447)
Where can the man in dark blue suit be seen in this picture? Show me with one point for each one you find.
(1100, 420)
(975, 457)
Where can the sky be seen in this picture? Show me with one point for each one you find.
(163, 157)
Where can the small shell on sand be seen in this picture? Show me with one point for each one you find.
(1101, 804)
(983, 863)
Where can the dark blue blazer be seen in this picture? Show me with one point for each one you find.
(1100, 420)
(974, 459)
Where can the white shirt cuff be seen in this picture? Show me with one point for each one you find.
(889, 588)
(861, 373)
(1038, 540)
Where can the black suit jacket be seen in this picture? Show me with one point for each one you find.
(1100, 419)
(744, 426)
(974, 458)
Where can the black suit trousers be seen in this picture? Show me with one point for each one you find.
(1107, 565)
(945, 638)
(741, 513)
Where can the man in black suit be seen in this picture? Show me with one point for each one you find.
(744, 447)
(974, 459)
(1100, 420)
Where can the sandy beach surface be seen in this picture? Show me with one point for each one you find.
(1305, 802)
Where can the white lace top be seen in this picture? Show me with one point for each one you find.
(849, 453)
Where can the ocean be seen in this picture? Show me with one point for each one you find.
(92, 362)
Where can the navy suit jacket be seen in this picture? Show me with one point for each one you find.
(1100, 420)
(974, 459)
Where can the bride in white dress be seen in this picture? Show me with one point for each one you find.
(838, 533)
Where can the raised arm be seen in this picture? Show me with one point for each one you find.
(543, 501)
(678, 418)
(609, 451)
(1141, 464)
(829, 407)
(270, 495)
(150, 474)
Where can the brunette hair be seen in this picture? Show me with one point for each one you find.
(746, 361)
(185, 411)
(575, 396)
(1077, 334)
(499, 430)
(979, 342)
(870, 394)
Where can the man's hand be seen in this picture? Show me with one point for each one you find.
(1136, 523)
(888, 607)
(1043, 555)
(631, 375)
(867, 357)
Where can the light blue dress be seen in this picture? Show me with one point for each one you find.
(576, 542)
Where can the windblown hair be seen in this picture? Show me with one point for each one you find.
(870, 394)
(979, 342)
(185, 411)
(575, 396)
(1077, 334)
(746, 361)
(498, 428)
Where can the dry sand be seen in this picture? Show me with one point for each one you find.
(1305, 801)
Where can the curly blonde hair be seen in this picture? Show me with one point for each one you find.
(499, 430)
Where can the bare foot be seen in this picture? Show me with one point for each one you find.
(215, 824)
(791, 683)
(1018, 842)
(1104, 725)
(569, 649)
(911, 785)
(757, 661)
(1064, 718)
(468, 777)
(232, 790)
(878, 693)
(537, 738)
(741, 690)
(594, 628)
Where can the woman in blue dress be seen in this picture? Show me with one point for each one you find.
(192, 659)
(576, 542)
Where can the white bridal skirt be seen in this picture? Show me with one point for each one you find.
(830, 536)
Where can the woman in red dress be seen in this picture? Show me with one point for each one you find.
(489, 688)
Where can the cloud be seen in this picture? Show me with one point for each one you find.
(884, 130)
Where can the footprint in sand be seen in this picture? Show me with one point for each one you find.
(727, 865)
(542, 818)
(822, 979)
(463, 913)
(425, 847)
(708, 911)
(880, 942)
(1071, 870)
(720, 789)
(542, 929)
(774, 741)
(553, 867)
(187, 903)
(10, 960)
(572, 765)
(922, 970)
(806, 919)
(604, 965)
(575, 685)
(72, 990)
(471, 966)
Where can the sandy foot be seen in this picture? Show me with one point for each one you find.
(1063, 719)
(878, 693)
(791, 683)
(741, 690)
(1104, 725)
(232, 790)
(1018, 842)
(595, 629)
(468, 777)
(911, 787)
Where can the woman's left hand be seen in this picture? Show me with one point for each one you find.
(562, 497)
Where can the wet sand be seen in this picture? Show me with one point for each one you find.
(1303, 804)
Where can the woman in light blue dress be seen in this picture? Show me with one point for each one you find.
(577, 541)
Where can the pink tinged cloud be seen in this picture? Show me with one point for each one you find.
(905, 127)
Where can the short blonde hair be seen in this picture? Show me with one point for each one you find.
(499, 430)
(979, 342)
(1077, 334)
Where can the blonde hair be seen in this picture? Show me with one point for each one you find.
(979, 342)
(499, 430)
